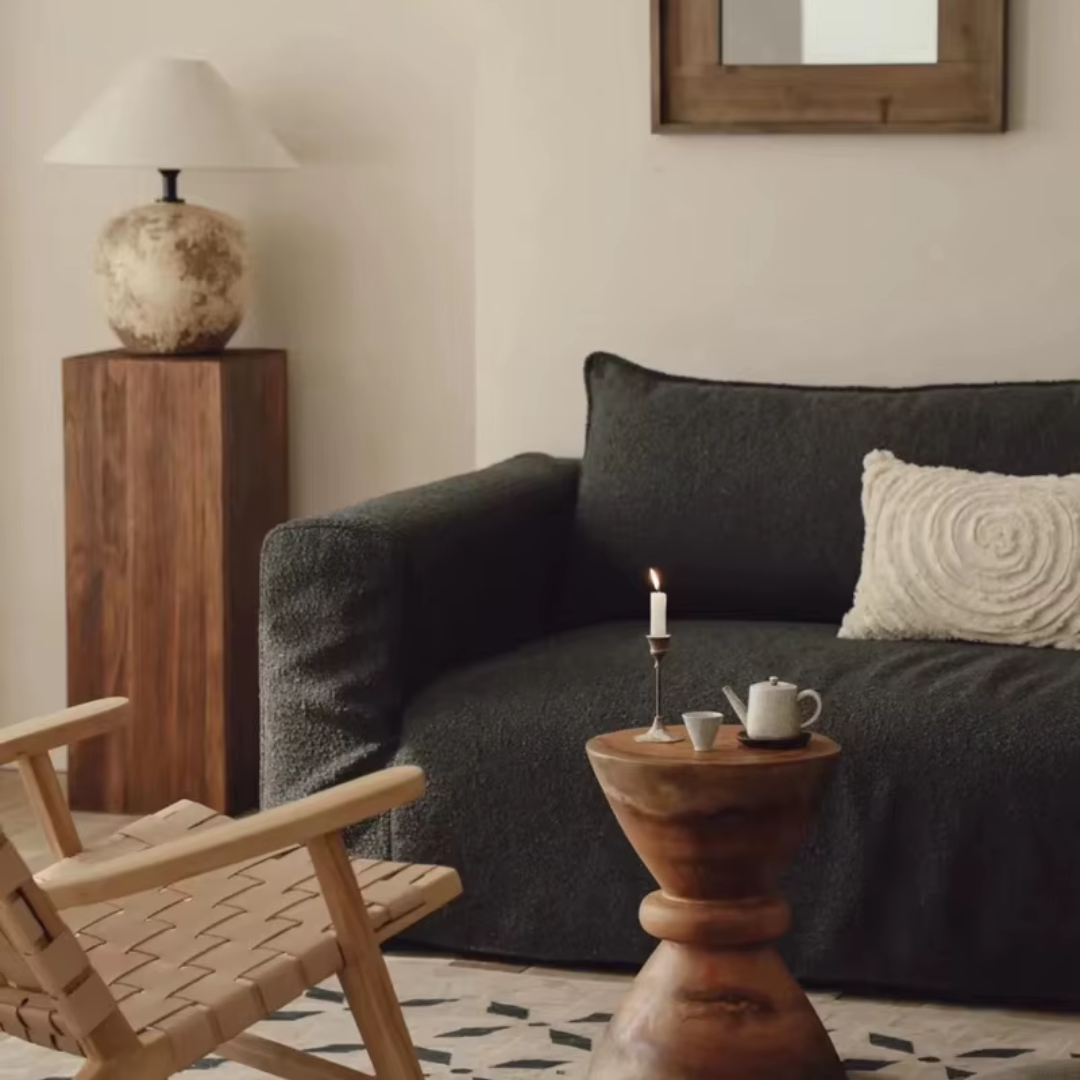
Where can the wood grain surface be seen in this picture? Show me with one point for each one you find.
(716, 830)
(727, 753)
(694, 90)
(175, 471)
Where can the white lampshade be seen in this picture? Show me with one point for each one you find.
(170, 113)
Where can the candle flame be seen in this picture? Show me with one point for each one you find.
(654, 577)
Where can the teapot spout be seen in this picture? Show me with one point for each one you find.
(736, 703)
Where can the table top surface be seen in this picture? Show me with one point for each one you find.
(728, 752)
(226, 356)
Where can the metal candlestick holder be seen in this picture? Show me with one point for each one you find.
(658, 733)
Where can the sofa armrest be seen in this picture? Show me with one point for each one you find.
(362, 609)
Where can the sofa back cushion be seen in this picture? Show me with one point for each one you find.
(747, 496)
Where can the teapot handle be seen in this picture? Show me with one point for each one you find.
(814, 695)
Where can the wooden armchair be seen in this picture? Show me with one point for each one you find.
(186, 927)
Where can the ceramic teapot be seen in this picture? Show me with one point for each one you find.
(773, 712)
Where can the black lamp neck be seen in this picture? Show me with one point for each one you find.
(169, 178)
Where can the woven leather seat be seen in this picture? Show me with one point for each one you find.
(204, 959)
(182, 930)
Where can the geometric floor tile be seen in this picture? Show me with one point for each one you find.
(487, 1023)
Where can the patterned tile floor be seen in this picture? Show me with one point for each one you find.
(489, 1022)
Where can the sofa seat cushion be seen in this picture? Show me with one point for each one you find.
(943, 860)
(748, 496)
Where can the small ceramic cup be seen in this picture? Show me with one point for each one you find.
(702, 728)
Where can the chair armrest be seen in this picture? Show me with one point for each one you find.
(213, 849)
(73, 725)
(362, 609)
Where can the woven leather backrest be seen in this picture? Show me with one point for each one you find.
(49, 993)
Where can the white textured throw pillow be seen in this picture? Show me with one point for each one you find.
(951, 554)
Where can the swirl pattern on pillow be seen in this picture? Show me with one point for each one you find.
(951, 554)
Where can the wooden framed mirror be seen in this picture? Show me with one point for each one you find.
(829, 65)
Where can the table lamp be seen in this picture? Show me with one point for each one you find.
(175, 277)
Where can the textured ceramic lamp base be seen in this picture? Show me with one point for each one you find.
(175, 278)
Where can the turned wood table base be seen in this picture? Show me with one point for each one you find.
(716, 830)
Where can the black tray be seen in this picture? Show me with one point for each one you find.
(796, 742)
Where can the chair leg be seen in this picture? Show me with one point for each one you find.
(50, 806)
(149, 1061)
(272, 1058)
(138, 1068)
(365, 978)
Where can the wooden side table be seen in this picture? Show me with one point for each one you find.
(176, 469)
(716, 830)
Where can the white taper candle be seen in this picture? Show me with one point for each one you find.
(657, 608)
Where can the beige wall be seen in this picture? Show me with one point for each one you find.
(365, 254)
(861, 259)
(822, 259)
(8, 629)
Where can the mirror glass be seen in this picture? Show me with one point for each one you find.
(830, 31)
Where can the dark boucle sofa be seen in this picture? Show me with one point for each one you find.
(486, 626)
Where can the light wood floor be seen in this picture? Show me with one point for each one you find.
(20, 826)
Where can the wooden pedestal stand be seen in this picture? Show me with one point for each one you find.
(716, 830)
(177, 467)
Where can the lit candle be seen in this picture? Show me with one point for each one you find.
(658, 608)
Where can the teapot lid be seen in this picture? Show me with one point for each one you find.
(775, 684)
